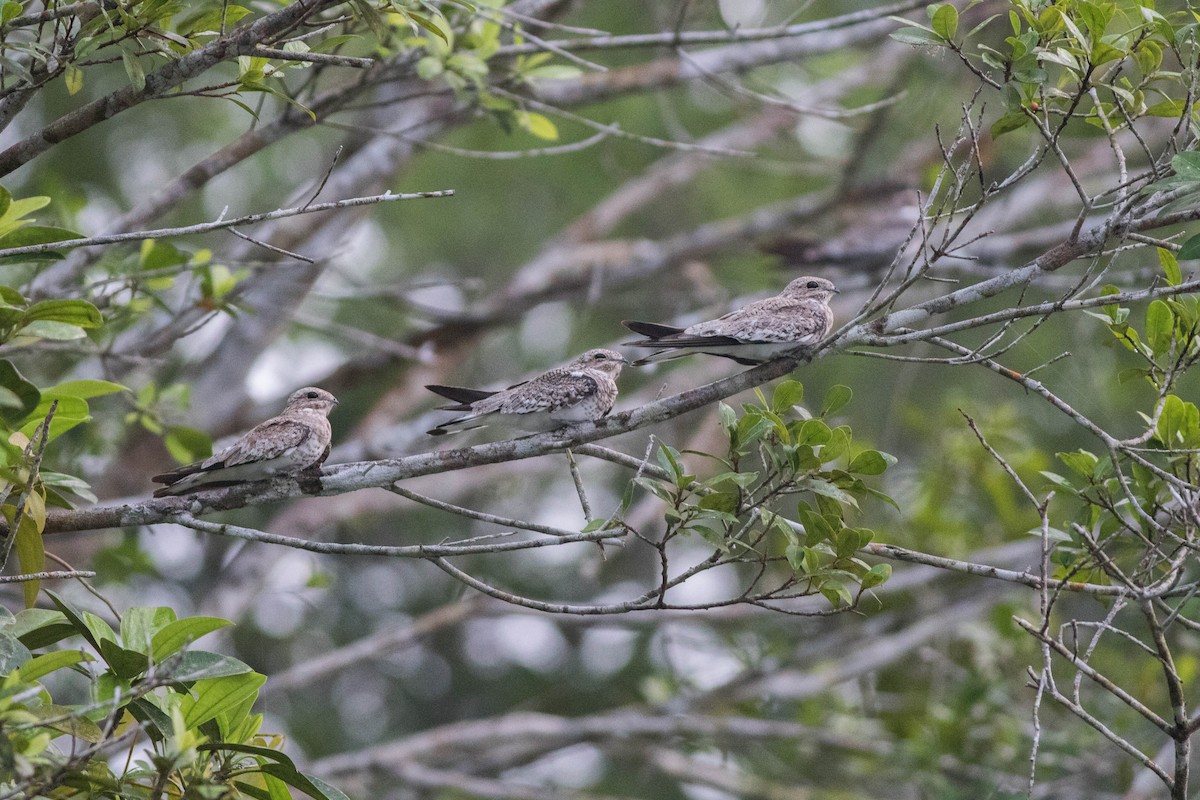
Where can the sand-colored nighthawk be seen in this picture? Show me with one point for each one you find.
(583, 389)
(297, 439)
(799, 316)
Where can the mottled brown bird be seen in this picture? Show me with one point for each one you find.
(297, 439)
(583, 389)
(799, 316)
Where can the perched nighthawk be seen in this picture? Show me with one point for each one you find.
(799, 316)
(583, 389)
(297, 439)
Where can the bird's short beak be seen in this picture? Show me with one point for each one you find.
(337, 402)
(836, 291)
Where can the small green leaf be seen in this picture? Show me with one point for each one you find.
(1187, 165)
(539, 125)
(787, 394)
(1010, 121)
(135, 71)
(212, 696)
(187, 444)
(52, 331)
(73, 77)
(877, 575)
(125, 664)
(175, 636)
(945, 21)
(720, 501)
(194, 665)
(836, 399)
(1160, 327)
(26, 393)
(31, 553)
(13, 654)
(71, 411)
(918, 37)
(871, 462)
(86, 388)
(72, 312)
(1190, 250)
(1170, 265)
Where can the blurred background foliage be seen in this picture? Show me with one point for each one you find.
(922, 692)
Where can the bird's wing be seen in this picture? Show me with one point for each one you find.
(554, 390)
(270, 439)
(774, 319)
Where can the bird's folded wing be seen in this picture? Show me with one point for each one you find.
(272, 439)
(549, 392)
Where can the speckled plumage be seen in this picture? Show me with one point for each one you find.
(297, 439)
(799, 316)
(583, 389)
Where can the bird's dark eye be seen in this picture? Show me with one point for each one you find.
(813, 285)
(599, 357)
(311, 395)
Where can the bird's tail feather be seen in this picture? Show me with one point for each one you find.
(459, 394)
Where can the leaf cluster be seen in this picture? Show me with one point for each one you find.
(191, 710)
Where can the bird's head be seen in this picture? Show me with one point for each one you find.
(310, 397)
(809, 287)
(608, 361)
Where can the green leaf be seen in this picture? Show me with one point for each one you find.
(125, 663)
(1160, 327)
(52, 331)
(194, 665)
(10, 11)
(86, 389)
(75, 618)
(720, 501)
(838, 444)
(174, 637)
(836, 399)
(877, 575)
(40, 627)
(139, 624)
(13, 654)
(919, 37)
(539, 125)
(71, 411)
(50, 662)
(787, 394)
(27, 236)
(728, 420)
(945, 21)
(31, 553)
(187, 444)
(212, 696)
(73, 78)
(1011, 121)
(26, 393)
(1190, 250)
(428, 23)
(1081, 462)
(1171, 109)
(135, 71)
(1170, 263)
(1187, 165)
(826, 489)
(871, 462)
(72, 312)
